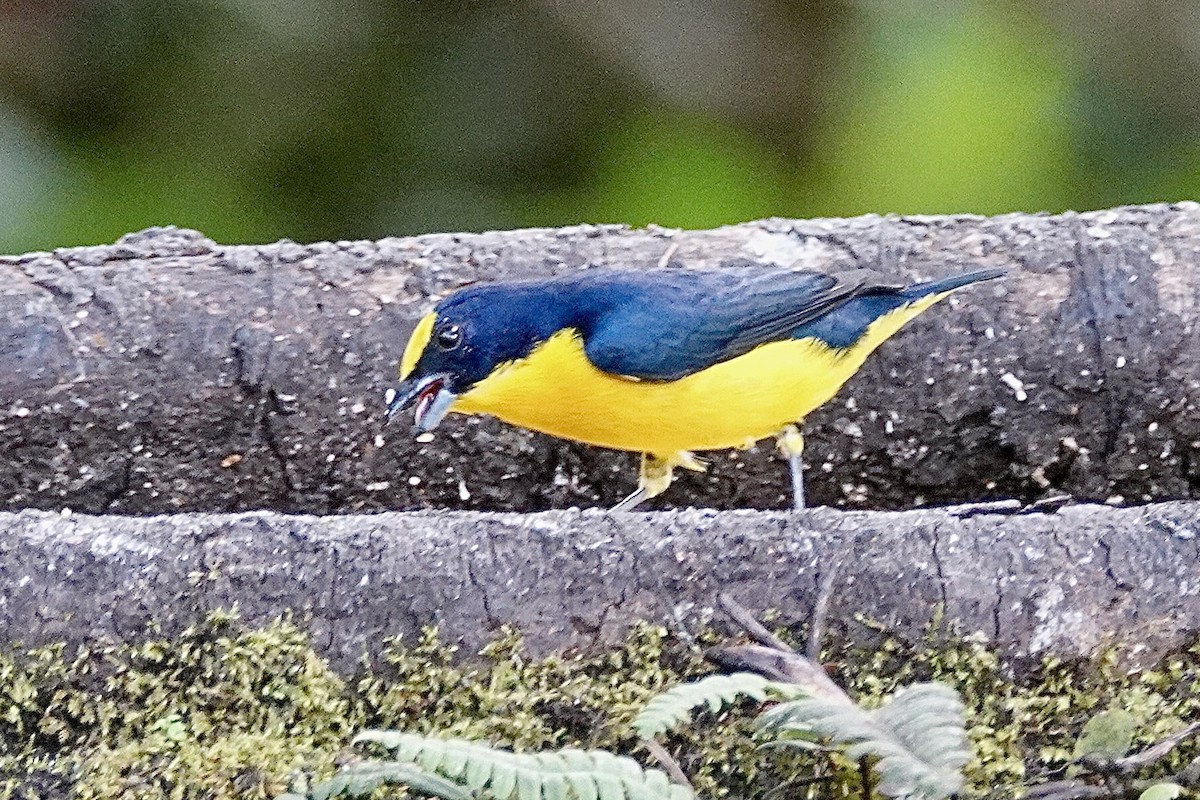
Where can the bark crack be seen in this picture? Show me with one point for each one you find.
(121, 486)
(252, 351)
(935, 535)
(481, 587)
(1092, 292)
(271, 405)
(1106, 548)
(1063, 546)
(996, 609)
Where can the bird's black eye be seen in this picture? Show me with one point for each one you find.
(449, 337)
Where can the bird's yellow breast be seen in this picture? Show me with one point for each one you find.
(557, 390)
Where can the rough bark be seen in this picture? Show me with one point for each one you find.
(1062, 583)
(167, 373)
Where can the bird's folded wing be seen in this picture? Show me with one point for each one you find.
(678, 322)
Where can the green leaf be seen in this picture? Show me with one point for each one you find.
(609, 787)
(454, 763)
(479, 773)
(919, 737)
(529, 784)
(657, 785)
(389, 739)
(554, 787)
(1108, 735)
(359, 780)
(1162, 791)
(583, 787)
(554, 775)
(504, 780)
(667, 710)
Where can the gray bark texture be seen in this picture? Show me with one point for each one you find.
(1065, 583)
(168, 373)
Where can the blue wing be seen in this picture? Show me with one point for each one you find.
(666, 324)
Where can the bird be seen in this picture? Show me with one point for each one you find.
(660, 361)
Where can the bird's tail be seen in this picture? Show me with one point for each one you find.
(918, 290)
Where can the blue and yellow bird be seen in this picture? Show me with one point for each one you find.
(661, 362)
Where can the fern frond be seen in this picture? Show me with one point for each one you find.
(919, 736)
(667, 710)
(359, 780)
(567, 774)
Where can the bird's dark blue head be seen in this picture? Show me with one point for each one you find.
(466, 337)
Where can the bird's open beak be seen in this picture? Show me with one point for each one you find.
(430, 396)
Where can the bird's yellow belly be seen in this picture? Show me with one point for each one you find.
(556, 390)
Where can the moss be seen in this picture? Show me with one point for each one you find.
(223, 711)
(1024, 732)
(515, 701)
(219, 712)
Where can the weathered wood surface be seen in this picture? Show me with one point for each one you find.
(168, 373)
(1064, 583)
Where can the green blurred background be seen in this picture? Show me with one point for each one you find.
(254, 120)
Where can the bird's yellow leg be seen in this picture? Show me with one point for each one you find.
(791, 445)
(655, 476)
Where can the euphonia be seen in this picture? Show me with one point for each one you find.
(661, 362)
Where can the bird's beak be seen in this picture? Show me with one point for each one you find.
(430, 396)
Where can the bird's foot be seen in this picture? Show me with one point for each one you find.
(689, 460)
(636, 498)
(791, 445)
(656, 474)
(796, 466)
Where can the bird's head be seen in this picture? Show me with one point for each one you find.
(466, 338)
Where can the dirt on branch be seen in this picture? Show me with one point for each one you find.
(168, 373)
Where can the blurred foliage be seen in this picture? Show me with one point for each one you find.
(314, 119)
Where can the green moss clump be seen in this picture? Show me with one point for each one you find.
(1024, 732)
(223, 711)
(514, 701)
(219, 712)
